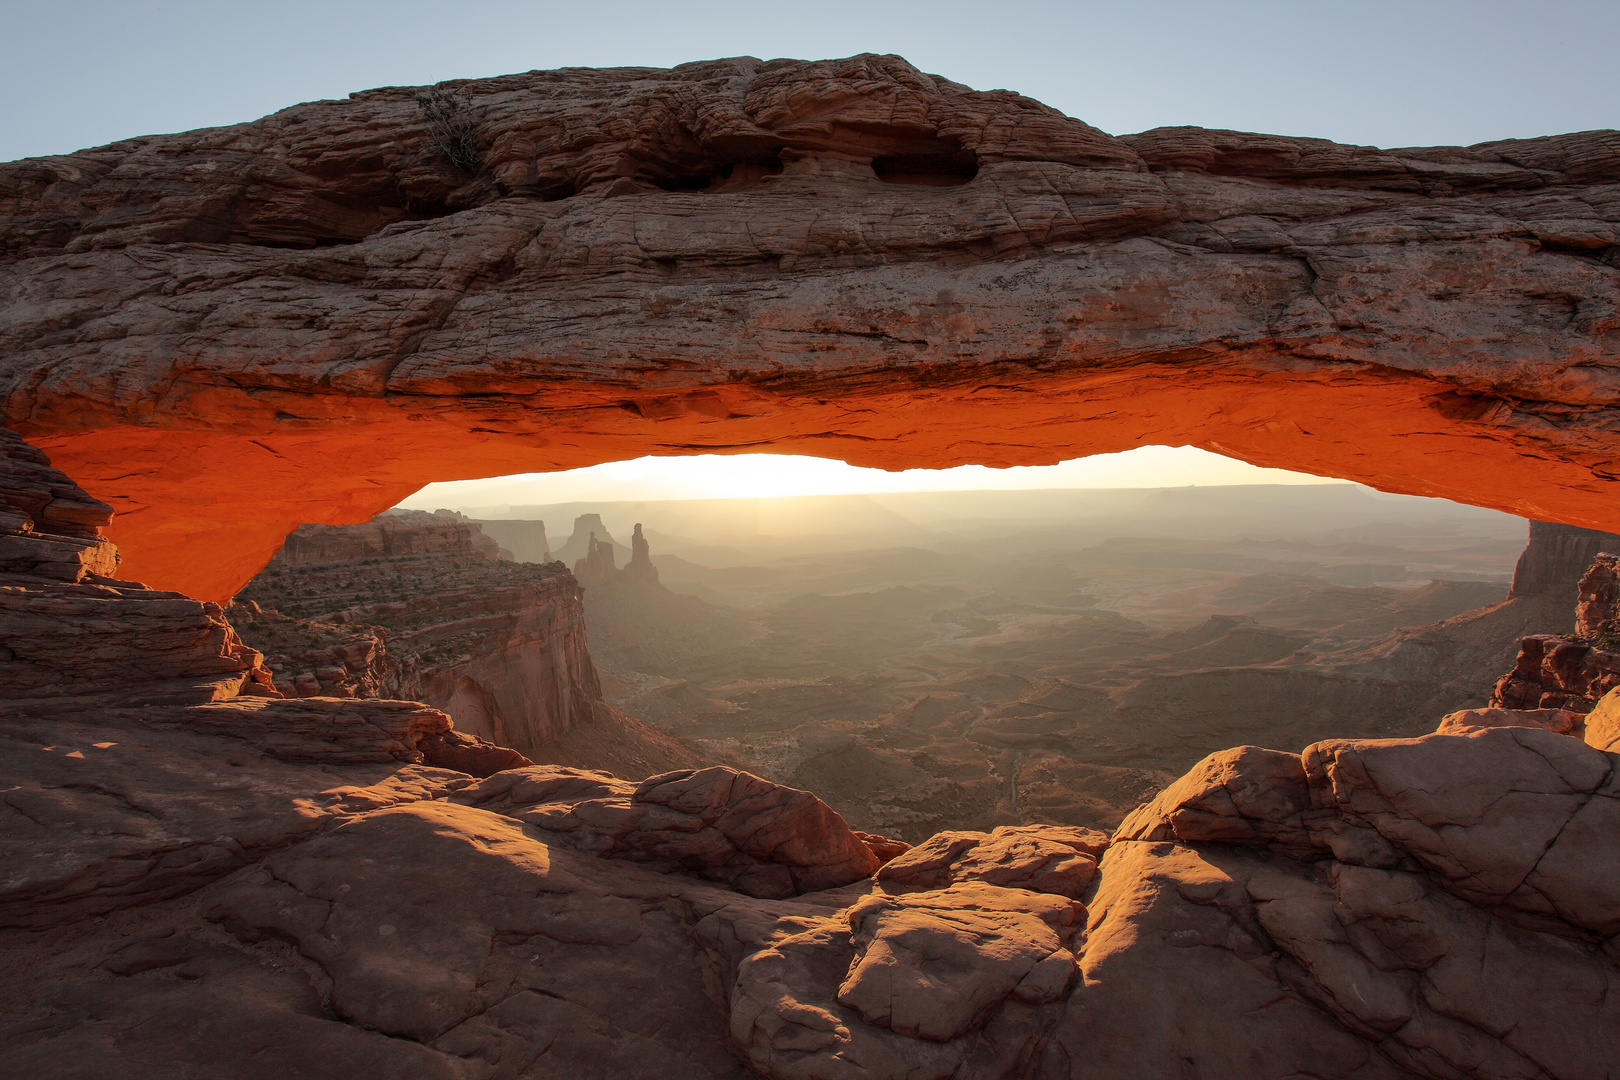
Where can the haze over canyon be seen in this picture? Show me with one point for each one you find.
(1188, 782)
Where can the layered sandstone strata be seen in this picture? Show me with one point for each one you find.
(1556, 557)
(304, 318)
(77, 643)
(388, 535)
(499, 646)
(73, 636)
(1571, 671)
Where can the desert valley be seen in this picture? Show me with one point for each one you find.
(1239, 781)
(990, 659)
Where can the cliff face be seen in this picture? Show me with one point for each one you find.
(1556, 557)
(526, 540)
(848, 258)
(388, 536)
(529, 679)
(1571, 671)
(499, 646)
(66, 639)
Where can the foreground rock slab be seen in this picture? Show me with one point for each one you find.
(765, 839)
(1347, 917)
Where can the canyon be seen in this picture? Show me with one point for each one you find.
(924, 673)
(214, 340)
(424, 607)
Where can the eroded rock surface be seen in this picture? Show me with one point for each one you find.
(1056, 859)
(1556, 558)
(71, 634)
(499, 646)
(1441, 906)
(849, 257)
(764, 839)
(1570, 671)
(388, 535)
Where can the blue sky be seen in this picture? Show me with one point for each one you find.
(77, 73)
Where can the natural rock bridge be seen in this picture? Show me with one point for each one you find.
(224, 333)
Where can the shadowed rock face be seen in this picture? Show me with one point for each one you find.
(301, 319)
(1556, 557)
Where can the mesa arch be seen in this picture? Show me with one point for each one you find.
(224, 333)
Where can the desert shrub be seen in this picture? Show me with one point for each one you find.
(450, 128)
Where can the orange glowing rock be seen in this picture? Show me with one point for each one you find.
(305, 318)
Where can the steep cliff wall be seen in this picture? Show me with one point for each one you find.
(526, 540)
(1571, 671)
(848, 258)
(1556, 557)
(527, 680)
(386, 537)
(499, 646)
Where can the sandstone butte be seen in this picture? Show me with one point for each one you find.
(225, 333)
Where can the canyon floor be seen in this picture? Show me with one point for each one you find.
(966, 660)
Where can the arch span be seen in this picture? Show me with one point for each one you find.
(225, 333)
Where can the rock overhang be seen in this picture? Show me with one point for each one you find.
(226, 333)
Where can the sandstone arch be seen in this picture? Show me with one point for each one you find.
(224, 333)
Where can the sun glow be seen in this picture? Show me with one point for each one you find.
(753, 476)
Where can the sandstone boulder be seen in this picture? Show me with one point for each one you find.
(1041, 858)
(961, 982)
(1180, 979)
(1245, 966)
(1245, 795)
(762, 838)
(1522, 821)
(1603, 723)
(1563, 721)
(884, 847)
